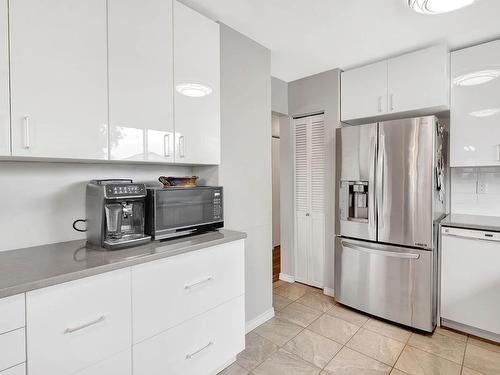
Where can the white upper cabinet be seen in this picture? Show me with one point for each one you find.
(475, 106)
(197, 92)
(364, 91)
(413, 84)
(141, 115)
(419, 80)
(4, 81)
(59, 78)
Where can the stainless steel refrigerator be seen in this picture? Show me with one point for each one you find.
(390, 199)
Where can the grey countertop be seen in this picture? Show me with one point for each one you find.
(491, 223)
(37, 267)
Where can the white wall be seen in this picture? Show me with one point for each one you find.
(279, 96)
(245, 170)
(318, 93)
(39, 201)
(475, 191)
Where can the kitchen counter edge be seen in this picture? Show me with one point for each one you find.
(58, 265)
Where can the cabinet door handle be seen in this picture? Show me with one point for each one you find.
(182, 146)
(380, 104)
(195, 353)
(392, 102)
(27, 132)
(101, 319)
(198, 283)
(498, 152)
(166, 145)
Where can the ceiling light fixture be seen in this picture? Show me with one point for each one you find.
(477, 78)
(438, 6)
(193, 90)
(485, 112)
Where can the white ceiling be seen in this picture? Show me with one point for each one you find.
(311, 36)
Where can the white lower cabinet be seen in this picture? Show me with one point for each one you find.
(12, 348)
(12, 314)
(16, 370)
(169, 291)
(74, 325)
(188, 318)
(199, 346)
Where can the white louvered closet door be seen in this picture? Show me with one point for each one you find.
(310, 159)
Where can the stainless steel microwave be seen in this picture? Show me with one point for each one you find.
(174, 212)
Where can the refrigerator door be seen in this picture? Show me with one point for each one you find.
(405, 192)
(355, 169)
(391, 282)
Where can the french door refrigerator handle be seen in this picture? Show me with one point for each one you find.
(379, 178)
(380, 252)
(372, 207)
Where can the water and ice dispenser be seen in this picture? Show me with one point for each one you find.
(354, 201)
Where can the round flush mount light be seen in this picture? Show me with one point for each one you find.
(193, 90)
(477, 78)
(485, 112)
(438, 6)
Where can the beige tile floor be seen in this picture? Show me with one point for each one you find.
(312, 334)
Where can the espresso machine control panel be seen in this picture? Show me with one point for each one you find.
(120, 191)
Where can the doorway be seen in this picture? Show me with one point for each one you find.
(275, 150)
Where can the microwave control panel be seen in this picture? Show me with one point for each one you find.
(217, 204)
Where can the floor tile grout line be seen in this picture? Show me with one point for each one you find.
(437, 355)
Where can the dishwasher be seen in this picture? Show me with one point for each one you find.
(470, 281)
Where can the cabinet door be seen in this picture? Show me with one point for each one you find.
(475, 108)
(419, 80)
(197, 94)
(141, 80)
(364, 92)
(169, 291)
(75, 325)
(199, 346)
(4, 81)
(58, 70)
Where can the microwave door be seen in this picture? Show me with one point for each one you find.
(184, 208)
(356, 157)
(404, 182)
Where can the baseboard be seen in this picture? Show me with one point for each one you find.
(287, 278)
(328, 291)
(261, 319)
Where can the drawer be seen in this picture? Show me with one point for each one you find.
(77, 324)
(16, 370)
(199, 346)
(12, 313)
(169, 291)
(391, 282)
(12, 348)
(119, 364)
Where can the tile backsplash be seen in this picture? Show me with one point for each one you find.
(475, 191)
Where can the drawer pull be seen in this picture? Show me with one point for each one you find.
(194, 354)
(198, 283)
(86, 325)
(381, 252)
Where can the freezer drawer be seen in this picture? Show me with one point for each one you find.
(390, 282)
